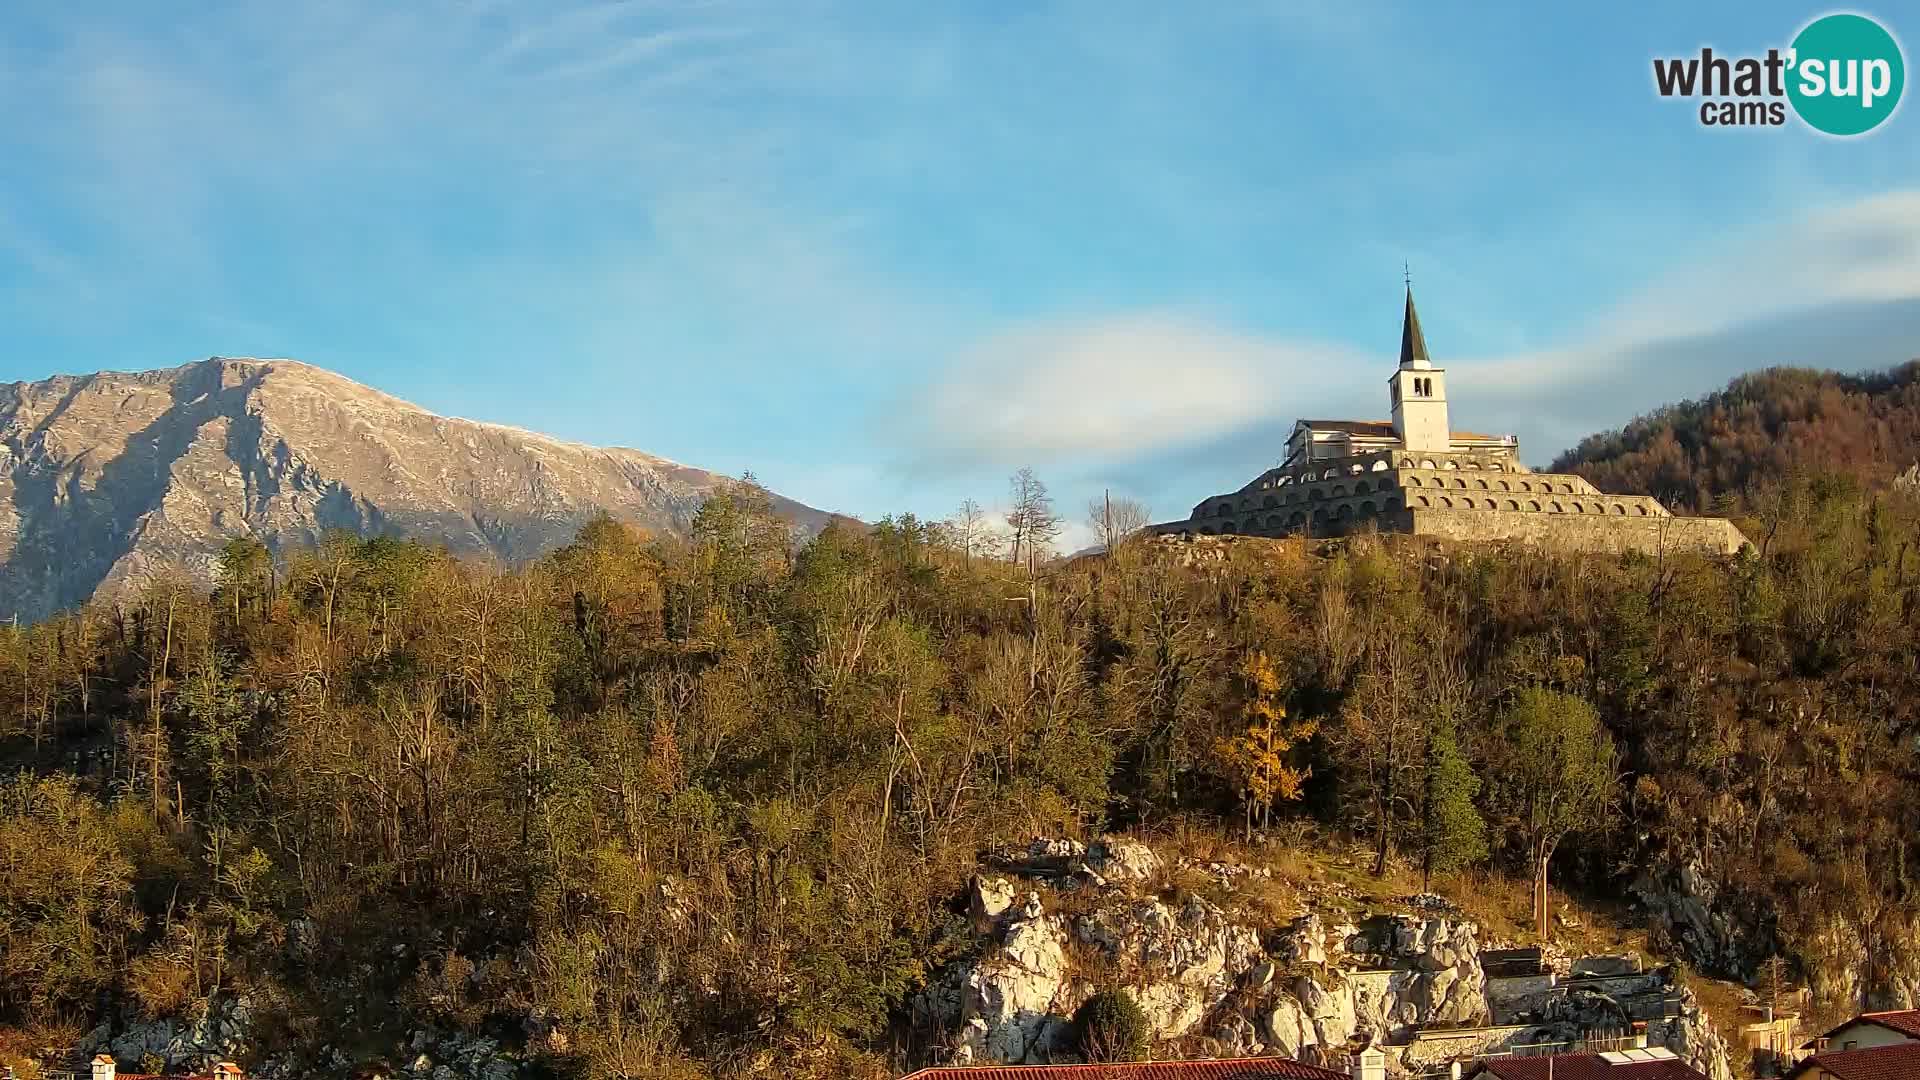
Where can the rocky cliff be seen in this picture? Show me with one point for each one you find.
(107, 478)
(1063, 921)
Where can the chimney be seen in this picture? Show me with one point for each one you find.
(1369, 1063)
(103, 1067)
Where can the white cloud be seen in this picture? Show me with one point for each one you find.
(1116, 387)
(1861, 251)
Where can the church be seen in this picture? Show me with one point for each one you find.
(1415, 474)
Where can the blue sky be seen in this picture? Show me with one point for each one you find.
(881, 254)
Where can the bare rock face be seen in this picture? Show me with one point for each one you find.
(109, 478)
(988, 899)
(1122, 860)
(1181, 961)
(1010, 1004)
(1692, 1037)
(1719, 930)
(1216, 979)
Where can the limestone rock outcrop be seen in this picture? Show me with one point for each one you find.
(1693, 1038)
(1195, 969)
(220, 1029)
(1183, 960)
(1059, 920)
(1719, 931)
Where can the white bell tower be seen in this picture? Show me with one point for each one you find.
(1419, 391)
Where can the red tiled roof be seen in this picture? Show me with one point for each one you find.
(1585, 1067)
(1901, 1061)
(1904, 1021)
(1231, 1069)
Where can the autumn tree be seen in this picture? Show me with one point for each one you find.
(1256, 758)
(1384, 715)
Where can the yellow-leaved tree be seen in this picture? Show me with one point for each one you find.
(1256, 759)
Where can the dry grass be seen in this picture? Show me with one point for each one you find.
(1502, 905)
(1722, 1002)
(17, 1052)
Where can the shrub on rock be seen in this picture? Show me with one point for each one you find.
(1110, 1026)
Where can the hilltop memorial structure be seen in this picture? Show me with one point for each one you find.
(1415, 474)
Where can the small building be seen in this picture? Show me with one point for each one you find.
(1771, 1039)
(1868, 1030)
(1655, 1063)
(1891, 1061)
(1266, 1068)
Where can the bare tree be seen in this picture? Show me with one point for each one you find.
(1114, 520)
(970, 529)
(1032, 518)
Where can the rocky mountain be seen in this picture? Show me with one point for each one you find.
(109, 477)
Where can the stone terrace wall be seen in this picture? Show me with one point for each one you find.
(1578, 532)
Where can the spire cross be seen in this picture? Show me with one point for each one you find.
(1407, 272)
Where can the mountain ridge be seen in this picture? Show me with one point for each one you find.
(1761, 425)
(109, 477)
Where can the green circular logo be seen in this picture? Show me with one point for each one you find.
(1847, 74)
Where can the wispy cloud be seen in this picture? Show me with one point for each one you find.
(1106, 388)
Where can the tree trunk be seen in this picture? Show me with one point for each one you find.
(159, 679)
(1543, 854)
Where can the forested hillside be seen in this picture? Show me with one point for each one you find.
(1762, 426)
(702, 806)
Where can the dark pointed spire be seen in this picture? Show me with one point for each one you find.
(1413, 344)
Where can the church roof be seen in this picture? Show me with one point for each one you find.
(1413, 344)
(1383, 429)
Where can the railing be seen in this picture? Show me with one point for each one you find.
(1598, 1044)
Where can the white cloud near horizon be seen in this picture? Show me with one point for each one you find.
(1105, 388)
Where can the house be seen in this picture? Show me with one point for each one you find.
(1367, 1065)
(1868, 1030)
(1655, 1063)
(1889, 1061)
